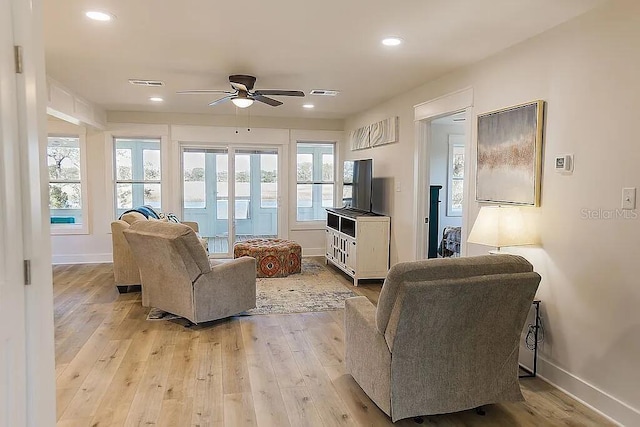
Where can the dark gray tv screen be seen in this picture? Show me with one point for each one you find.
(358, 175)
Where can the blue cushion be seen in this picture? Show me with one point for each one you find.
(145, 210)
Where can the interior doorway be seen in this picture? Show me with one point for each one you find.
(443, 136)
(446, 181)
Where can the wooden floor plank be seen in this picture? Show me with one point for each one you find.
(300, 407)
(239, 410)
(267, 399)
(235, 375)
(208, 399)
(147, 402)
(87, 399)
(329, 404)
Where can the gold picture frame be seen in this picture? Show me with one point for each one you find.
(509, 155)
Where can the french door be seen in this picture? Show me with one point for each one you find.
(232, 193)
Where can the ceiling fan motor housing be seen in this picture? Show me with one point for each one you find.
(247, 81)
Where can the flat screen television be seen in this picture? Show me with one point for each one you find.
(358, 177)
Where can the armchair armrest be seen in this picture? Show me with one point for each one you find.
(367, 356)
(229, 288)
(192, 224)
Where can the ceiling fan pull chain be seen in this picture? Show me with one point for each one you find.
(236, 119)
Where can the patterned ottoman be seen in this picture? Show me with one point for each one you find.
(274, 257)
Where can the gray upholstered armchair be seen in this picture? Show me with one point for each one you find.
(125, 270)
(178, 277)
(444, 337)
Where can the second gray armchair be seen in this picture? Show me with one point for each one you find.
(178, 277)
(444, 336)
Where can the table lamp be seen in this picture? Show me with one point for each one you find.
(500, 226)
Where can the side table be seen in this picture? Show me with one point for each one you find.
(536, 328)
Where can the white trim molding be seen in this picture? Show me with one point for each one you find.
(461, 100)
(96, 258)
(68, 106)
(589, 395)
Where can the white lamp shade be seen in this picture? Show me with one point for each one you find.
(242, 102)
(499, 226)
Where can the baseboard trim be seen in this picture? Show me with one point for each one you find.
(589, 395)
(82, 259)
(313, 252)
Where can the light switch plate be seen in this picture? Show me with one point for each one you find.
(629, 198)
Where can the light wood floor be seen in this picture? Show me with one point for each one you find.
(115, 368)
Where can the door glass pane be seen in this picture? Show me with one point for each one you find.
(222, 186)
(256, 188)
(268, 181)
(205, 195)
(243, 176)
(243, 194)
(194, 180)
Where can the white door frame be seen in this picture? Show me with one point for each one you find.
(26, 223)
(231, 151)
(424, 113)
(13, 369)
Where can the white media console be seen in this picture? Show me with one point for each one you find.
(358, 243)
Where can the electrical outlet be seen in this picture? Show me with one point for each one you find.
(629, 198)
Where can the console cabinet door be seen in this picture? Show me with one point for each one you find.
(351, 255)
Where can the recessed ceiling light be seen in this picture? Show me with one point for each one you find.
(99, 16)
(156, 99)
(308, 106)
(392, 41)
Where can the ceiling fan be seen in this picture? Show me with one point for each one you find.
(243, 94)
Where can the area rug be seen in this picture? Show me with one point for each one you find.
(314, 289)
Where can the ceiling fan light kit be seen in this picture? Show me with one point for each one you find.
(243, 94)
(242, 102)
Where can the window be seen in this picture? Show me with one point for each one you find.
(138, 172)
(67, 194)
(456, 176)
(269, 180)
(315, 180)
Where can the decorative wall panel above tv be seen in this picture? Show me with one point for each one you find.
(360, 138)
(379, 133)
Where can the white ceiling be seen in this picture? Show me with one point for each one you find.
(287, 44)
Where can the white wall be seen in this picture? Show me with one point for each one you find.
(96, 245)
(586, 71)
(438, 169)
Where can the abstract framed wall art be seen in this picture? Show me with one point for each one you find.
(510, 155)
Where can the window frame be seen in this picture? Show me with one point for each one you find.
(455, 141)
(80, 133)
(133, 181)
(317, 160)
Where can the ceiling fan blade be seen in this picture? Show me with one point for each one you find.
(220, 101)
(274, 92)
(270, 101)
(200, 91)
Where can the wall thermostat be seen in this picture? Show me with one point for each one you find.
(564, 163)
